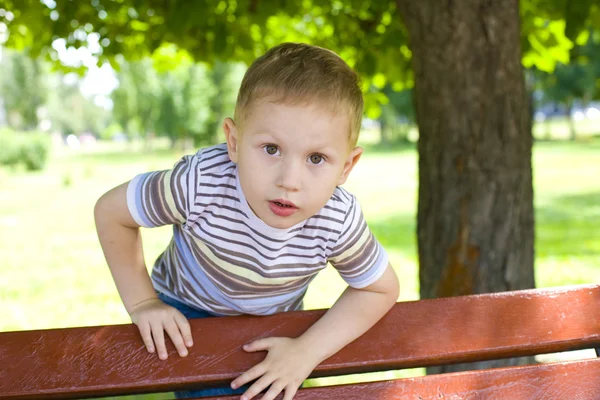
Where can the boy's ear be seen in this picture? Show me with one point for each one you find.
(351, 161)
(231, 136)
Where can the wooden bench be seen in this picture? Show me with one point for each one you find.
(111, 360)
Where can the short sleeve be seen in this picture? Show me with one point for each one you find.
(358, 256)
(164, 197)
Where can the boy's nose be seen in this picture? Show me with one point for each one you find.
(289, 177)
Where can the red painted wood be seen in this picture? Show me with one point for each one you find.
(94, 361)
(559, 381)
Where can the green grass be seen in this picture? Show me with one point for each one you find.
(54, 275)
(557, 128)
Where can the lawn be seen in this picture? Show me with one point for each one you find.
(54, 275)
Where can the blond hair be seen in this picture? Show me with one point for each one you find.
(297, 73)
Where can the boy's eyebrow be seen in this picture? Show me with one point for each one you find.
(265, 134)
(263, 130)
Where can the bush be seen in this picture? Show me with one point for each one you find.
(29, 148)
(9, 147)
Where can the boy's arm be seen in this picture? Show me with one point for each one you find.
(290, 361)
(121, 242)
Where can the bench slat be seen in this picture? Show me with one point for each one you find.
(94, 361)
(557, 381)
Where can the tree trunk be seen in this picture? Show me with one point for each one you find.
(383, 131)
(570, 120)
(475, 215)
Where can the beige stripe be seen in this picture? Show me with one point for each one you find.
(251, 277)
(170, 197)
(362, 261)
(350, 252)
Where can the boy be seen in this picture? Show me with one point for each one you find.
(255, 219)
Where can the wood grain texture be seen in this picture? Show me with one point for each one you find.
(108, 360)
(577, 380)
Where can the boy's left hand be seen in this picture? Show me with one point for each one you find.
(285, 367)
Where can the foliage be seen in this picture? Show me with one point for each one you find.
(572, 83)
(69, 111)
(28, 148)
(33, 95)
(369, 35)
(397, 115)
(550, 29)
(184, 102)
(576, 79)
(35, 149)
(23, 89)
(135, 104)
(9, 143)
(172, 95)
(226, 79)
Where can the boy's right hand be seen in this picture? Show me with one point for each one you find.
(153, 318)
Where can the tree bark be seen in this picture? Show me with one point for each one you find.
(571, 121)
(475, 221)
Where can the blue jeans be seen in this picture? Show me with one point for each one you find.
(190, 312)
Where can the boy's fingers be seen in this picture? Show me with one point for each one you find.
(184, 327)
(248, 376)
(159, 340)
(173, 331)
(257, 387)
(146, 336)
(290, 391)
(260, 344)
(274, 390)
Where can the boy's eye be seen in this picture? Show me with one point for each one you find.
(271, 149)
(316, 158)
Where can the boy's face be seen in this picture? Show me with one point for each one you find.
(290, 159)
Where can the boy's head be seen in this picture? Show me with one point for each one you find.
(301, 74)
(296, 124)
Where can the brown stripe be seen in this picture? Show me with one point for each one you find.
(220, 206)
(338, 210)
(218, 164)
(325, 217)
(218, 185)
(358, 259)
(247, 245)
(213, 195)
(178, 192)
(158, 202)
(205, 159)
(147, 205)
(349, 240)
(222, 227)
(209, 267)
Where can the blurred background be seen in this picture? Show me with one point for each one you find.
(94, 92)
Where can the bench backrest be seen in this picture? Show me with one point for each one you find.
(110, 360)
(556, 381)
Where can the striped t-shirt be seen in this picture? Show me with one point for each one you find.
(225, 260)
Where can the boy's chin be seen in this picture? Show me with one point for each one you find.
(281, 224)
(277, 222)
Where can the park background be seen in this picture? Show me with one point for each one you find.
(77, 118)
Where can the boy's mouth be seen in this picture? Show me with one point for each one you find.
(282, 208)
(284, 203)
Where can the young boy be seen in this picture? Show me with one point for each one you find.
(255, 219)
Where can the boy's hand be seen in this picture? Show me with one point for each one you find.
(153, 318)
(286, 366)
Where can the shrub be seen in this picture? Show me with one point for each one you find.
(29, 148)
(9, 147)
